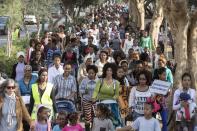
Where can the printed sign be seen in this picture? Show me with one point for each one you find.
(26, 99)
(160, 87)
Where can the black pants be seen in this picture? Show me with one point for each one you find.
(161, 45)
(26, 126)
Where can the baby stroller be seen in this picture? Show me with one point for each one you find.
(66, 105)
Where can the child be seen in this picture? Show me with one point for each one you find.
(61, 121)
(73, 125)
(42, 123)
(136, 47)
(144, 123)
(102, 122)
(161, 99)
(186, 114)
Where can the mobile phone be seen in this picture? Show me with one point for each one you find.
(102, 129)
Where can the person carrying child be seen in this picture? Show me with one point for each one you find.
(186, 114)
(180, 102)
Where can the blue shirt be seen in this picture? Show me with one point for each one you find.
(50, 53)
(57, 128)
(87, 88)
(26, 89)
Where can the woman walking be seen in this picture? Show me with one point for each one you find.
(12, 108)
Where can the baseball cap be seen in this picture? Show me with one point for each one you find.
(184, 96)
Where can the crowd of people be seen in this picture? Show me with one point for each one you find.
(101, 71)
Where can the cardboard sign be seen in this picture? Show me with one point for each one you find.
(160, 87)
(26, 99)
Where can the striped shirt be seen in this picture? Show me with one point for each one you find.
(64, 87)
(87, 88)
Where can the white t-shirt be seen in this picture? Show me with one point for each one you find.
(176, 102)
(19, 71)
(127, 45)
(105, 124)
(100, 67)
(53, 72)
(156, 60)
(85, 41)
(142, 124)
(138, 98)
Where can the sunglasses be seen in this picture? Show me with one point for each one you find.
(10, 87)
(142, 78)
(28, 70)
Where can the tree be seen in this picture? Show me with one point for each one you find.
(183, 26)
(74, 4)
(138, 13)
(182, 22)
(13, 9)
(156, 21)
(40, 8)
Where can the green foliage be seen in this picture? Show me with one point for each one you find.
(6, 63)
(82, 3)
(13, 9)
(39, 8)
(79, 20)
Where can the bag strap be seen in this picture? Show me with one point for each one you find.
(114, 86)
(101, 84)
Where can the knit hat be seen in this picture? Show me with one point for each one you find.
(184, 96)
(20, 53)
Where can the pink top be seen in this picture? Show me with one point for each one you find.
(77, 127)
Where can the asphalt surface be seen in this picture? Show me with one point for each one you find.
(30, 29)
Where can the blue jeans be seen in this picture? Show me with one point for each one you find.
(164, 116)
(116, 119)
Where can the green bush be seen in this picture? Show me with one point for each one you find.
(6, 63)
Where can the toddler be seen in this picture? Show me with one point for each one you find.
(102, 122)
(73, 123)
(61, 121)
(144, 123)
(42, 123)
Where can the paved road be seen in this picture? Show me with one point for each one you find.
(30, 28)
(3, 40)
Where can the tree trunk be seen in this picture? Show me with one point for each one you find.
(133, 11)
(177, 17)
(192, 50)
(9, 42)
(181, 52)
(176, 14)
(38, 27)
(141, 11)
(156, 22)
(78, 12)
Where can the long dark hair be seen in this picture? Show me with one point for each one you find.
(104, 110)
(112, 66)
(147, 74)
(40, 72)
(122, 79)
